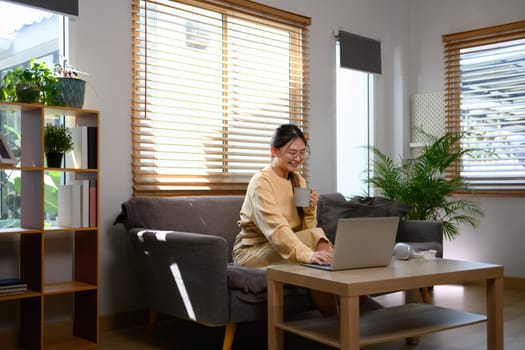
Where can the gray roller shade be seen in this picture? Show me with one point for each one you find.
(67, 7)
(359, 53)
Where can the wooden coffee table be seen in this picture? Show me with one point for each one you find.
(411, 320)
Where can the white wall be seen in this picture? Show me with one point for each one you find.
(499, 237)
(103, 48)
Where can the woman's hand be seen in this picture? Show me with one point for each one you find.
(322, 257)
(314, 197)
(323, 253)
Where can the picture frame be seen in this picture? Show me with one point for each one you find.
(6, 155)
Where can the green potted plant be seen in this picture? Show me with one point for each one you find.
(423, 184)
(70, 88)
(37, 83)
(57, 141)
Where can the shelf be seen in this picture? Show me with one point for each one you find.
(73, 170)
(30, 168)
(18, 231)
(17, 296)
(67, 287)
(70, 343)
(20, 107)
(60, 110)
(388, 324)
(51, 229)
(69, 253)
(8, 167)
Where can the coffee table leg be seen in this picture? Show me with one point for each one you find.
(349, 323)
(495, 314)
(412, 296)
(275, 315)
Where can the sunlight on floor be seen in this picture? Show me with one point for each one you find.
(437, 293)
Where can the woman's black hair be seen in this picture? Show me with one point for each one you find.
(286, 133)
(282, 135)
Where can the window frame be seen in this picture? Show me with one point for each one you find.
(453, 44)
(146, 179)
(49, 50)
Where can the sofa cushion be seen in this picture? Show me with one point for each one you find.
(248, 279)
(333, 206)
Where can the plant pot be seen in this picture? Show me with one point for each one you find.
(54, 159)
(71, 92)
(28, 92)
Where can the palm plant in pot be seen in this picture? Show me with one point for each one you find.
(57, 141)
(423, 184)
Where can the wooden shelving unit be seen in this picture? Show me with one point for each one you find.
(79, 329)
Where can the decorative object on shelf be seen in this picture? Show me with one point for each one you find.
(424, 185)
(42, 84)
(6, 155)
(71, 92)
(12, 286)
(37, 83)
(57, 141)
(70, 89)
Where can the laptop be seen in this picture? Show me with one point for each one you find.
(362, 242)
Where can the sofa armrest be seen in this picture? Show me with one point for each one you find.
(187, 274)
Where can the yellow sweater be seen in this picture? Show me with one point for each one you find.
(269, 217)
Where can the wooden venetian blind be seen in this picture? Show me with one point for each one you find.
(212, 81)
(485, 99)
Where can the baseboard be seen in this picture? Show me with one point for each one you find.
(9, 337)
(123, 320)
(53, 331)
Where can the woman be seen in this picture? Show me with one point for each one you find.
(273, 230)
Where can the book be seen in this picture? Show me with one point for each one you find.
(7, 282)
(69, 205)
(92, 147)
(93, 204)
(13, 289)
(84, 205)
(12, 286)
(85, 147)
(76, 158)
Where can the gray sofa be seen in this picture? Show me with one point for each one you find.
(182, 254)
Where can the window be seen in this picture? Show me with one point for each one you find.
(358, 58)
(354, 118)
(211, 83)
(485, 98)
(25, 33)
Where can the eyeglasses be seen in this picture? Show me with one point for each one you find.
(292, 155)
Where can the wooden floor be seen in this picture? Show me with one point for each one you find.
(179, 335)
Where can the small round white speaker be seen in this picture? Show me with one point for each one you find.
(402, 251)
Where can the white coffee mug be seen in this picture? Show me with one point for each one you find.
(302, 197)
